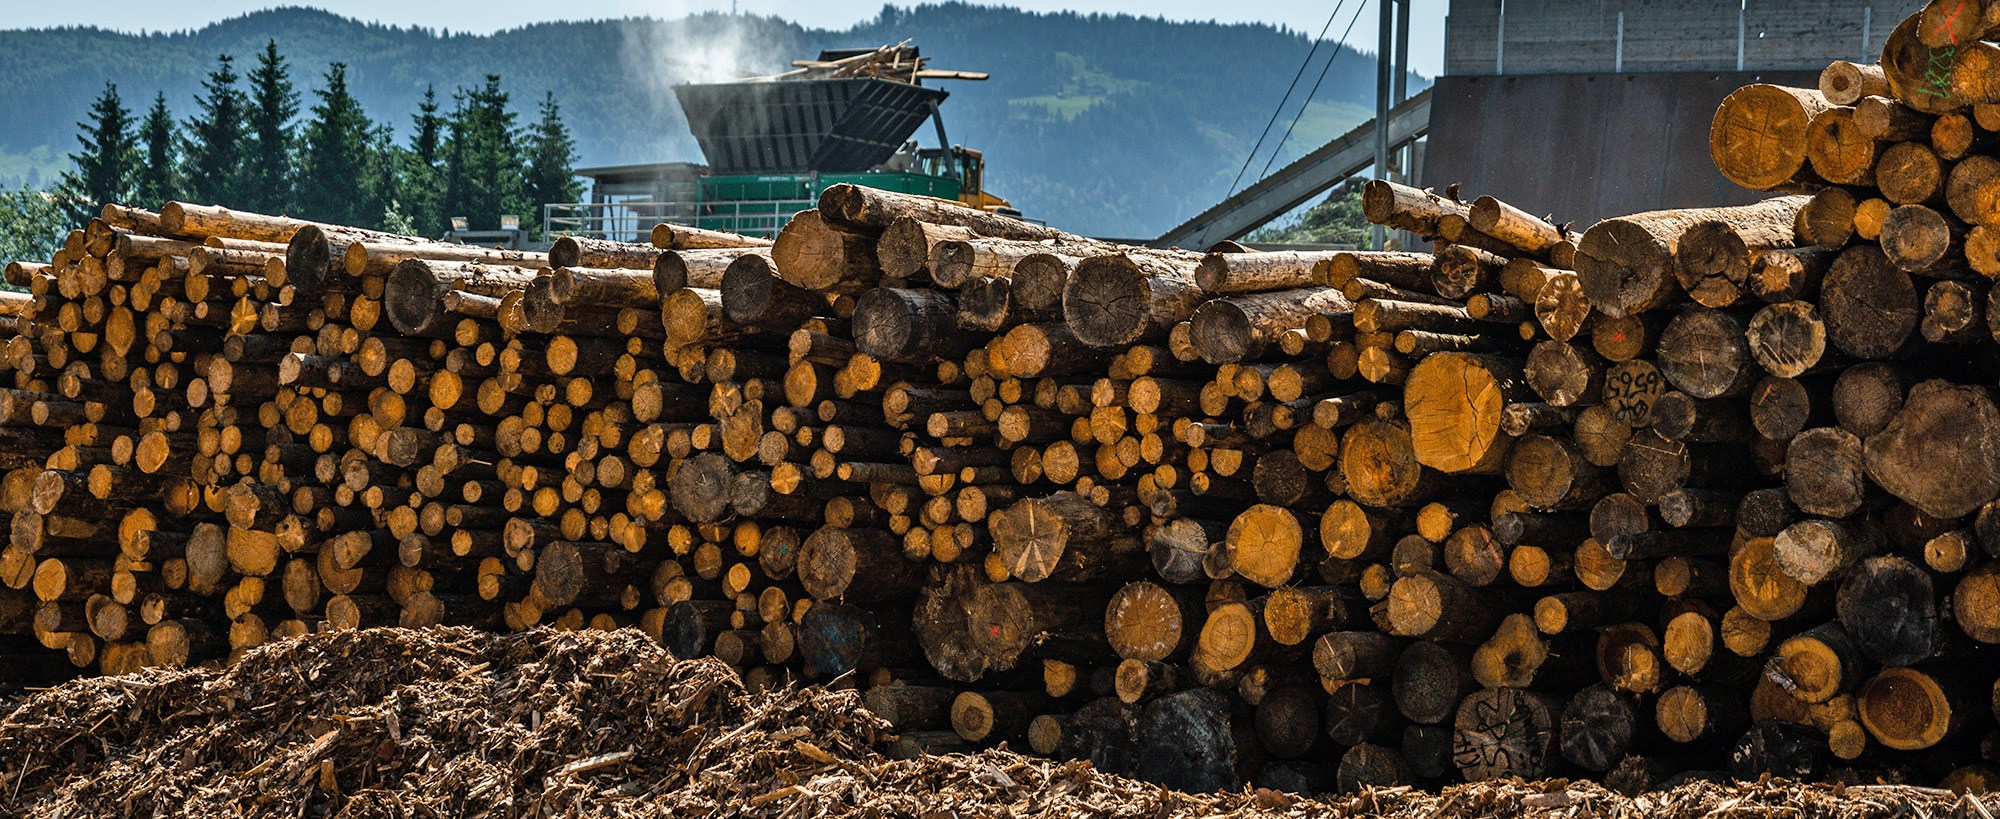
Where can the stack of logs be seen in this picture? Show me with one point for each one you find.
(1699, 490)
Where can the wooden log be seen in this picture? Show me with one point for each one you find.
(835, 638)
(1264, 545)
(1758, 138)
(857, 565)
(1712, 260)
(1118, 300)
(1229, 273)
(1535, 236)
(1378, 463)
(1626, 264)
(1405, 208)
(1813, 550)
(1825, 473)
(583, 251)
(1935, 81)
(1908, 709)
(683, 237)
(1013, 621)
(1506, 733)
(1870, 308)
(1689, 713)
(1704, 353)
(819, 254)
(364, 258)
(1193, 741)
(1150, 622)
(1061, 534)
(1916, 238)
(1454, 403)
(1840, 151)
(873, 207)
(907, 325)
(1939, 423)
(1288, 721)
(1599, 726)
(412, 296)
(909, 246)
(1889, 607)
(1434, 606)
(1245, 327)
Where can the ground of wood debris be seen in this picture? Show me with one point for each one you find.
(451, 722)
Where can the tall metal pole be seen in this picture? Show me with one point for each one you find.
(1384, 59)
(1402, 64)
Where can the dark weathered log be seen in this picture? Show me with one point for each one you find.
(1194, 741)
(1941, 451)
(1626, 264)
(413, 296)
(1506, 733)
(1245, 327)
(1703, 353)
(1870, 307)
(1117, 300)
(1713, 259)
(1890, 609)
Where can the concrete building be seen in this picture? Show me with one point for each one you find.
(1592, 108)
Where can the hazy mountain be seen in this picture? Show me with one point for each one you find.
(1112, 125)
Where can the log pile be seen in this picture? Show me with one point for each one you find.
(1693, 490)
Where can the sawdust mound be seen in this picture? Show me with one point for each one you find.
(454, 722)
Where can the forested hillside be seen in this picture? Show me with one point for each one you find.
(1105, 124)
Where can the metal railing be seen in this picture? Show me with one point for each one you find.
(634, 221)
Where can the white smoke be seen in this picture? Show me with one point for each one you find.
(665, 43)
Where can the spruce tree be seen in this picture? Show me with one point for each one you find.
(267, 167)
(382, 182)
(551, 160)
(213, 153)
(421, 199)
(428, 135)
(334, 156)
(482, 160)
(159, 174)
(108, 160)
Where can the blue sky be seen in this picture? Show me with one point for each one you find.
(1427, 28)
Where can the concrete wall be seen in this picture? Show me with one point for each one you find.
(1586, 146)
(1582, 36)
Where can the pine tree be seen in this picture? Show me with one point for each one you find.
(213, 152)
(482, 160)
(334, 154)
(421, 199)
(108, 162)
(551, 161)
(267, 167)
(159, 175)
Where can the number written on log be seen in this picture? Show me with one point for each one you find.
(1630, 389)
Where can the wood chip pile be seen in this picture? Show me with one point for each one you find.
(458, 722)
